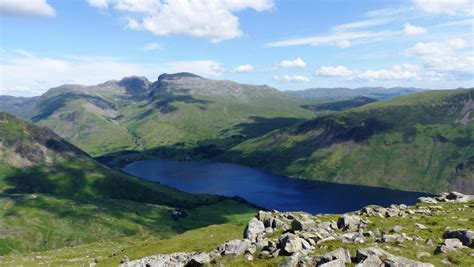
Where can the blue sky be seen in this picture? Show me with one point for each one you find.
(289, 45)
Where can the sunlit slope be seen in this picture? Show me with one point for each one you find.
(421, 142)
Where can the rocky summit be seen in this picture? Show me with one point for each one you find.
(426, 234)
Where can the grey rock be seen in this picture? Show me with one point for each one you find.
(371, 261)
(334, 263)
(263, 215)
(235, 247)
(350, 223)
(338, 254)
(291, 261)
(290, 244)
(453, 243)
(265, 254)
(305, 244)
(466, 236)
(388, 259)
(303, 224)
(198, 260)
(428, 200)
(253, 229)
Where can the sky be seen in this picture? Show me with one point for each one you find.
(287, 44)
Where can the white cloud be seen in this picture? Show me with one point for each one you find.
(31, 75)
(437, 49)
(152, 47)
(296, 63)
(101, 4)
(343, 39)
(396, 73)
(363, 24)
(450, 7)
(26, 8)
(446, 58)
(244, 68)
(214, 20)
(291, 78)
(344, 44)
(329, 71)
(412, 30)
(139, 6)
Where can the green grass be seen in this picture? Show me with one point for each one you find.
(66, 228)
(59, 197)
(413, 143)
(452, 215)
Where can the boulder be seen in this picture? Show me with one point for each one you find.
(264, 215)
(458, 197)
(290, 244)
(428, 200)
(350, 223)
(387, 258)
(253, 229)
(466, 236)
(198, 260)
(334, 263)
(338, 254)
(453, 243)
(371, 261)
(235, 247)
(291, 261)
(302, 224)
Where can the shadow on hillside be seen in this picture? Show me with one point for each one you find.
(50, 105)
(89, 181)
(205, 149)
(78, 218)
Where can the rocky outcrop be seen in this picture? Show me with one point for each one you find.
(298, 236)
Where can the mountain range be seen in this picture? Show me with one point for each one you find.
(342, 93)
(135, 114)
(420, 141)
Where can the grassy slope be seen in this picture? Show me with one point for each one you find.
(412, 143)
(74, 200)
(452, 215)
(102, 121)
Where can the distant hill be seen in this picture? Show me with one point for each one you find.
(181, 108)
(53, 195)
(341, 104)
(419, 142)
(341, 93)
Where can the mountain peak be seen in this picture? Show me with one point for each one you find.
(174, 76)
(135, 85)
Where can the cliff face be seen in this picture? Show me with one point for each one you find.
(427, 234)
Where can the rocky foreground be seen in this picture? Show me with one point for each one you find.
(398, 235)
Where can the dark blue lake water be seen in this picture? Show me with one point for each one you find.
(266, 189)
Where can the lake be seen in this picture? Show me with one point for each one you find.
(266, 189)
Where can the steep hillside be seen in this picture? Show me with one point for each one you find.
(341, 104)
(182, 108)
(342, 93)
(53, 195)
(420, 142)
